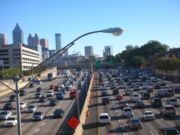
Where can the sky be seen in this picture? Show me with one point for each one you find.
(142, 20)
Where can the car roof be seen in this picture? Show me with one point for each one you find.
(148, 111)
(104, 114)
(169, 128)
(134, 119)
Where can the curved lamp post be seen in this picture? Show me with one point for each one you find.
(115, 31)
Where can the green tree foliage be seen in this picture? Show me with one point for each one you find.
(168, 63)
(138, 61)
(10, 73)
(143, 53)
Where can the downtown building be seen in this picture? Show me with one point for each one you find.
(107, 51)
(45, 50)
(89, 52)
(3, 39)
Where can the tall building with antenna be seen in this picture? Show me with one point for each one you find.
(17, 35)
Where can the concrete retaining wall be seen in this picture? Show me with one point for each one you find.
(79, 129)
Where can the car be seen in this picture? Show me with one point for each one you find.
(119, 97)
(12, 98)
(127, 112)
(4, 115)
(139, 104)
(38, 115)
(145, 95)
(115, 92)
(22, 105)
(160, 93)
(59, 95)
(42, 98)
(32, 108)
(169, 92)
(38, 95)
(177, 123)
(104, 118)
(73, 94)
(8, 106)
(172, 101)
(123, 104)
(104, 93)
(105, 100)
(22, 92)
(168, 131)
(150, 89)
(148, 115)
(51, 86)
(135, 97)
(38, 89)
(56, 88)
(168, 110)
(156, 102)
(58, 113)
(50, 93)
(129, 92)
(135, 123)
(53, 102)
(11, 121)
(31, 85)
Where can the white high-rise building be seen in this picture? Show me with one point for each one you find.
(107, 51)
(89, 51)
(58, 41)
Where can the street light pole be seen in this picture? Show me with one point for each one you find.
(16, 80)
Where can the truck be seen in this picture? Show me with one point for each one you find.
(52, 76)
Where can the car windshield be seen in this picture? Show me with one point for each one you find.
(135, 121)
(169, 108)
(103, 117)
(174, 100)
(12, 118)
(38, 113)
(148, 113)
(127, 110)
(3, 113)
(31, 106)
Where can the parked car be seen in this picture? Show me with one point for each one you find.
(104, 118)
(135, 123)
(12, 98)
(4, 115)
(32, 108)
(11, 121)
(148, 115)
(39, 115)
(168, 131)
(58, 113)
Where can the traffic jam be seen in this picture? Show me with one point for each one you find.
(138, 102)
(43, 100)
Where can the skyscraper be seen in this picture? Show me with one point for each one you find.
(3, 39)
(33, 41)
(17, 35)
(107, 51)
(44, 43)
(89, 51)
(58, 41)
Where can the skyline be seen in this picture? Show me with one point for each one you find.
(142, 21)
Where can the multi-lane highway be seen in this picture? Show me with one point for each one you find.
(49, 125)
(119, 125)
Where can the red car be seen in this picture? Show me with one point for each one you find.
(123, 104)
(73, 94)
(51, 87)
(119, 97)
(56, 88)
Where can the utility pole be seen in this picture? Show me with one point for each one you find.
(16, 80)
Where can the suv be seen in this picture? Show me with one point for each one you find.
(156, 102)
(168, 110)
(168, 131)
(104, 118)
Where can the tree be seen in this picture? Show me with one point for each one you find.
(138, 61)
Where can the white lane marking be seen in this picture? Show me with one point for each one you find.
(42, 124)
(151, 133)
(37, 130)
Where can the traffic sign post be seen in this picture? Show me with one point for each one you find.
(73, 122)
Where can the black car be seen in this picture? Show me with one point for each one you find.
(139, 104)
(42, 98)
(12, 98)
(58, 113)
(22, 93)
(38, 95)
(156, 102)
(168, 131)
(146, 95)
(8, 106)
(115, 92)
(38, 89)
(31, 85)
(53, 102)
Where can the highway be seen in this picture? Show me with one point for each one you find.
(119, 124)
(48, 126)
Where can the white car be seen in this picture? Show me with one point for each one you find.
(104, 118)
(32, 108)
(135, 97)
(50, 93)
(11, 121)
(172, 101)
(127, 112)
(4, 115)
(148, 115)
(22, 105)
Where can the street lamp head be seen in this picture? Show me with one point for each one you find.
(115, 31)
